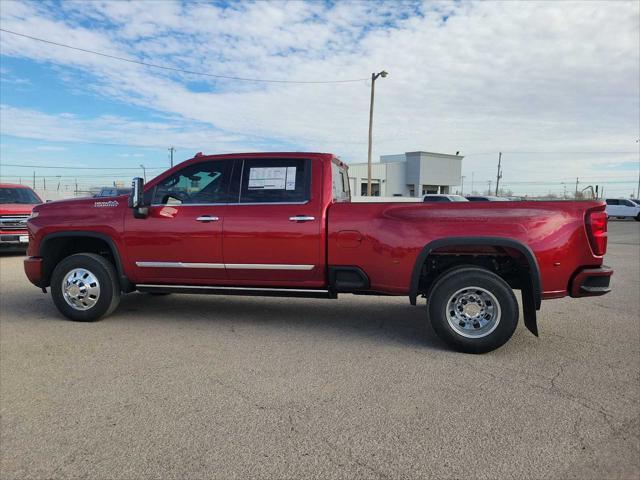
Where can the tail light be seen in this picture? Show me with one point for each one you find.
(597, 231)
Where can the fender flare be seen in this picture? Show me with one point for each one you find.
(125, 284)
(531, 284)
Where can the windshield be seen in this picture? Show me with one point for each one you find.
(18, 195)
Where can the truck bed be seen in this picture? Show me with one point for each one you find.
(385, 239)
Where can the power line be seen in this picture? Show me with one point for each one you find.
(173, 69)
(546, 153)
(76, 168)
(114, 176)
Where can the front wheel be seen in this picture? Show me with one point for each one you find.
(84, 287)
(637, 218)
(472, 309)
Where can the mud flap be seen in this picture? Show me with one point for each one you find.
(529, 305)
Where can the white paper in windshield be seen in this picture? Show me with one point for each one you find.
(272, 178)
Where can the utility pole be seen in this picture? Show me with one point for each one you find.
(472, 182)
(76, 192)
(171, 150)
(34, 180)
(144, 173)
(374, 77)
(576, 194)
(499, 175)
(462, 185)
(488, 187)
(638, 191)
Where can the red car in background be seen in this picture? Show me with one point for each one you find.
(16, 203)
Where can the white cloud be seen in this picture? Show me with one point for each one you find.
(50, 148)
(110, 129)
(510, 76)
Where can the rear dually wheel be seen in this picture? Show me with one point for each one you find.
(472, 309)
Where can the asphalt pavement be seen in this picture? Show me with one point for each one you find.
(187, 386)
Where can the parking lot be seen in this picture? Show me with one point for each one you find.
(229, 387)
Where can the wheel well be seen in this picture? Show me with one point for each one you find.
(508, 264)
(55, 249)
(510, 259)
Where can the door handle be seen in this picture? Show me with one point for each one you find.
(207, 218)
(301, 218)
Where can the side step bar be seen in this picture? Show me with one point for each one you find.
(245, 291)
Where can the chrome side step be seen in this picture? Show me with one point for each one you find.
(246, 291)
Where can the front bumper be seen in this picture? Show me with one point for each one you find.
(14, 239)
(591, 282)
(33, 269)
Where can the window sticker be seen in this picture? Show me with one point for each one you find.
(272, 178)
(291, 178)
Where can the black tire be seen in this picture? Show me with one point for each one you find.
(452, 282)
(637, 218)
(109, 288)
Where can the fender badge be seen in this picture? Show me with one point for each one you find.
(103, 204)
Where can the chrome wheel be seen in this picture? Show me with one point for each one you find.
(473, 312)
(80, 289)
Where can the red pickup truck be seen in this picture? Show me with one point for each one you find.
(16, 203)
(283, 224)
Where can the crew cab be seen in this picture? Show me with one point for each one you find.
(16, 203)
(283, 224)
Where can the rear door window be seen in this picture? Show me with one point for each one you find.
(278, 180)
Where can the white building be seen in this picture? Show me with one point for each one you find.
(410, 174)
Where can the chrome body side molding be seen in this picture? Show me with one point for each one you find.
(178, 265)
(267, 266)
(231, 266)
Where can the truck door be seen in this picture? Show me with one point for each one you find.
(272, 236)
(180, 241)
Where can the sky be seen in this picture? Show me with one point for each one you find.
(555, 86)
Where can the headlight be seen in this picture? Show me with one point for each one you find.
(34, 214)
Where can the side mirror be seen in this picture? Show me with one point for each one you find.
(136, 198)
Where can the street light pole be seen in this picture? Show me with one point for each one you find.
(171, 150)
(638, 191)
(144, 173)
(374, 77)
(499, 176)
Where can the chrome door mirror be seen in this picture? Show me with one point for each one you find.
(137, 193)
(136, 198)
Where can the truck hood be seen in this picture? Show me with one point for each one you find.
(84, 202)
(16, 208)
